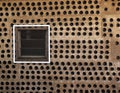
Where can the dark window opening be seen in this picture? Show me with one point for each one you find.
(31, 44)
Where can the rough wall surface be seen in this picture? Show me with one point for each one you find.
(84, 46)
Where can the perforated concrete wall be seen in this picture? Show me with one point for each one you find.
(84, 46)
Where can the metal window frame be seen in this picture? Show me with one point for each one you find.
(17, 58)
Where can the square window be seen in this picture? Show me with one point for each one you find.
(31, 43)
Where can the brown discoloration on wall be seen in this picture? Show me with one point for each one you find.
(79, 29)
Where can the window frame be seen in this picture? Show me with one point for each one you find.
(17, 43)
